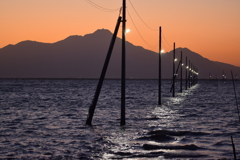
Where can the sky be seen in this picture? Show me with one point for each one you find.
(210, 28)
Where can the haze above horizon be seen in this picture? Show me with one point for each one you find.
(210, 28)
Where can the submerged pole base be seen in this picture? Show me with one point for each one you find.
(234, 151)
(90, 115)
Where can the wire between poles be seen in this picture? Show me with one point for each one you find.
(140, 33)
(100, 7)
(140, 17)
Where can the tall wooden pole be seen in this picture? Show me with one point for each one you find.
(181, 73)
(197, 75)
(234, 150)
(123, 80)
(189, 74)
(193, 75)
(235, 96)
(173, 81)
(160, 68)
(186, 78)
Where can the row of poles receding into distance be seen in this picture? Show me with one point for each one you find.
(190, 79)
(191, 71)
(191, 74)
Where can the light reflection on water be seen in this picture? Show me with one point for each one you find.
(46, 119)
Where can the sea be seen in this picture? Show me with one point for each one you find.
(46, 119)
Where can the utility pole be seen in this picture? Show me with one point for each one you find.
(186, 78)
(123, 80)
(181, 73)
(173, 81)
(160, 68)
(189, 74)
(197, 75)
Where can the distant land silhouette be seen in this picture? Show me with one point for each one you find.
(83, 57)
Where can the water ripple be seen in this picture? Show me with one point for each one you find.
(45, 119)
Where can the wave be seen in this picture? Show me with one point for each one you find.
(172, 147)
(176, 133)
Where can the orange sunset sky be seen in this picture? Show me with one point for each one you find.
(208, 27)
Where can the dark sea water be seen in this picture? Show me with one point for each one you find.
(45, 119)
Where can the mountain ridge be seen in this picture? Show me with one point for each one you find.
(83, 57)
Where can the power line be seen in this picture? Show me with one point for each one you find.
(140, 33)
(146, 23)
(100, 7)
(166, 41)
(119, 9)
(140, 16)
(165, 48)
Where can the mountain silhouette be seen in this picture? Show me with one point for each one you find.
(84, 56)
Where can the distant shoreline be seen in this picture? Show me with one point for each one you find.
(105, 79)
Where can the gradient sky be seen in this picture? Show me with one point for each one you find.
(208, 27)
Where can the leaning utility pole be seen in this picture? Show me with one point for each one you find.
(103, 73)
